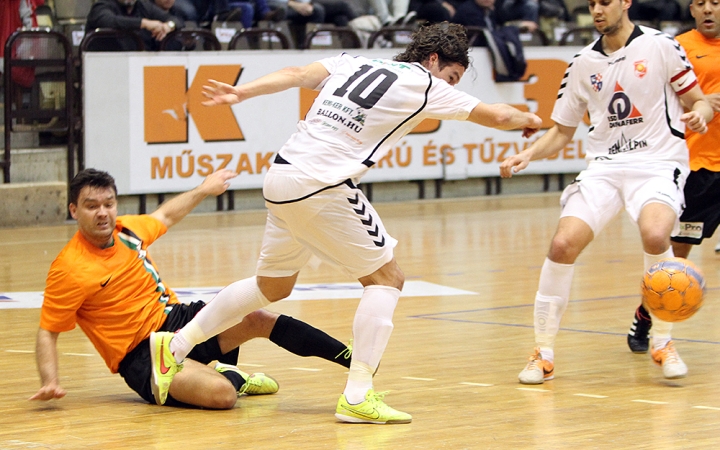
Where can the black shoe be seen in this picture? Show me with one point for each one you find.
(638, 338)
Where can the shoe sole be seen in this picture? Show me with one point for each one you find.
(352, 419)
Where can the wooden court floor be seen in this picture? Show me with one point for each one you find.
(452, 361)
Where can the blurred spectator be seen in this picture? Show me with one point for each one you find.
(152, 22)
(300, 12)
(655, 10)
(477, 13)
(204, 12)
(524, 12)
(15, 14)
(433, 11)
(337, 12)
(390, 11)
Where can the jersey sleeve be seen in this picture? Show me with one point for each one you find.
(571, 102)
(447, 103)
(145, 227)
(679, 70)
(331, 64)
(61, 300)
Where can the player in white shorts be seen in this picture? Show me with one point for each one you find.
(633, 82)
(314, 207)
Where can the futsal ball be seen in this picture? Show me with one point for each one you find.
(673, 289)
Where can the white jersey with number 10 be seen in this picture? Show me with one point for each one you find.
(364, 107)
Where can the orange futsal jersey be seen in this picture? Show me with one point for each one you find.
(115, 294)
(704, 55)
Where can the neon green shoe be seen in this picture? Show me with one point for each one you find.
(372, 410)
(164, 366)
(255, 384)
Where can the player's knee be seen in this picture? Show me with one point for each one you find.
(656, 242)
(222, 395)
(563, 250)
(259, 323)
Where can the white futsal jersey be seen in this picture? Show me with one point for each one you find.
(631, 97)
(364, 107)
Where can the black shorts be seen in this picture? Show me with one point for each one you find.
(701, 216)
(136, 367)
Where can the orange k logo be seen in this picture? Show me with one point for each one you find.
(169, 102)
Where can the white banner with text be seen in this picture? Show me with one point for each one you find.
(144, 122)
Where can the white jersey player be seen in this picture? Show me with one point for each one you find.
(314, 207)
(632, 97)
(634, 82)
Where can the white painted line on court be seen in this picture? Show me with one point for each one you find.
(20, 351)
(533, 389)
(652, 402)
(78, 354)
(707, 407)
(591, 395)
(317, 291)
(467, 383)
(305, 369)
(418, 379)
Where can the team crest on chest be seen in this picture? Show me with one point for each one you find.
(640, 68)
(596, 81)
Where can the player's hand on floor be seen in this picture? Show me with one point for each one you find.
(49, 392)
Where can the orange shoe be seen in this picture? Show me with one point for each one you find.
(537, 370)
(668, 358)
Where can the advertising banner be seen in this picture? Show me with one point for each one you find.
(145, 124)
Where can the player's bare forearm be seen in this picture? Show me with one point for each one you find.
(549, 144)
(309, 76)
(714, 100)
(504, 117)
(173, 211)
(47, 363)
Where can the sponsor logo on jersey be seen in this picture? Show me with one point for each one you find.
(621, 109)
(596, 81)
(626, 145)
(640, 68)
(615, 61)
(357, 115)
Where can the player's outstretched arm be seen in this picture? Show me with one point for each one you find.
(173, 211)
(549, 144)
(47, 363)
(309, 76)
(505, 117)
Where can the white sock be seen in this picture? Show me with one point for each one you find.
(371, 332)
(649, 259)
(225, 310)
(551, 301)
(660, 329)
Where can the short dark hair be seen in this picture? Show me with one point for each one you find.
(448, 40)
(93, 178)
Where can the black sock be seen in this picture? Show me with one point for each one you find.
(305, 340)
(235, 378)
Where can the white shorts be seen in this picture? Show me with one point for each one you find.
(337, 224)
(601, 191)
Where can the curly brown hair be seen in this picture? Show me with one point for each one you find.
(448, 40)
